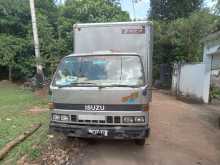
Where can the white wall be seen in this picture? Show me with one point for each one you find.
(190, 81)
(194, 79)
(210, 61)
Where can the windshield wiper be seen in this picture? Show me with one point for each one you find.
(63, 86)
(77, 83)
(88, 83)
(120, 85)
(83, 83)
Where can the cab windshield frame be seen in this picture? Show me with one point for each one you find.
(95, 85)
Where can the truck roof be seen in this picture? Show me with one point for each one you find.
(111, 24)
(102, 53)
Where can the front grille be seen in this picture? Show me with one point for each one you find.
(73, 118)
(117, 119)
(108, 120)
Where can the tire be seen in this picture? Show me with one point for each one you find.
(148, 133)
(140, 142)
(91, 141)
(219, 122)
(69, 138)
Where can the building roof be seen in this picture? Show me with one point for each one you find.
(211, 37)
(217, 52)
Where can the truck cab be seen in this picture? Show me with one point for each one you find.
(102, 94)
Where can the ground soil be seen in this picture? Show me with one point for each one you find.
(5, 82)
(42, 92)
(59, 151)
(37, 110)
(181, 134)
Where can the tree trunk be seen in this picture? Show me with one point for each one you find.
(10, 73)
(17, 140)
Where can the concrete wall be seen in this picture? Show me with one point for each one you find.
(193, 80)
(190, 80)
(211, 60)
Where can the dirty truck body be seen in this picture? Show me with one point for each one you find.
(103, 89)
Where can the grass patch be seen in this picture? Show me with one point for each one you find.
(35, 153)
(14, 120)
(215, 92)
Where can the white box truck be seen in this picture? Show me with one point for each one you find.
(103, 89)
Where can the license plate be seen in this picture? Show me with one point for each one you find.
(98, 132)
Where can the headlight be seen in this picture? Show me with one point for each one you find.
(133, 119)
(139, 119)
(56, 117)
(128, 119)
(64, 118)
(51, 105)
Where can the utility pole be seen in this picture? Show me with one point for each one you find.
(39, 75)
(133, 2)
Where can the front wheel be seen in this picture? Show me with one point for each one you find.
(140, 142)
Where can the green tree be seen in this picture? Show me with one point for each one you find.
(86, 11)
(217, 12)
(10, 47)
(217, 6)
(180, 40)
(173, 9)
(58, 42)
(16, 48)
(14, 17)
(55, 23)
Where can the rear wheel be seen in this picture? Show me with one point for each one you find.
(148, 133)
(140, 142)
(219, 122)
(89, 141)
(69, 138)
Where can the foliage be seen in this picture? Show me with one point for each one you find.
(180, 39)
(179, 28)
(87, 11)
(15, 49)
(14, 17)
(217, 7)
(55, 30)
(214, 92)
(9, 47)
(173, 9)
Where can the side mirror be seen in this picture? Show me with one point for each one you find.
(145, 88)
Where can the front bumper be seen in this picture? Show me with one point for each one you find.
(74, 114)
(114, 132)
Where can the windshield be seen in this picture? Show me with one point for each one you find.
(100, 71)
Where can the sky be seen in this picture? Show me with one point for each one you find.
(142, 7)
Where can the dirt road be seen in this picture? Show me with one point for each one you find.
(182, 134)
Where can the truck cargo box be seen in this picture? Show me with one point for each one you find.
(129, 37)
